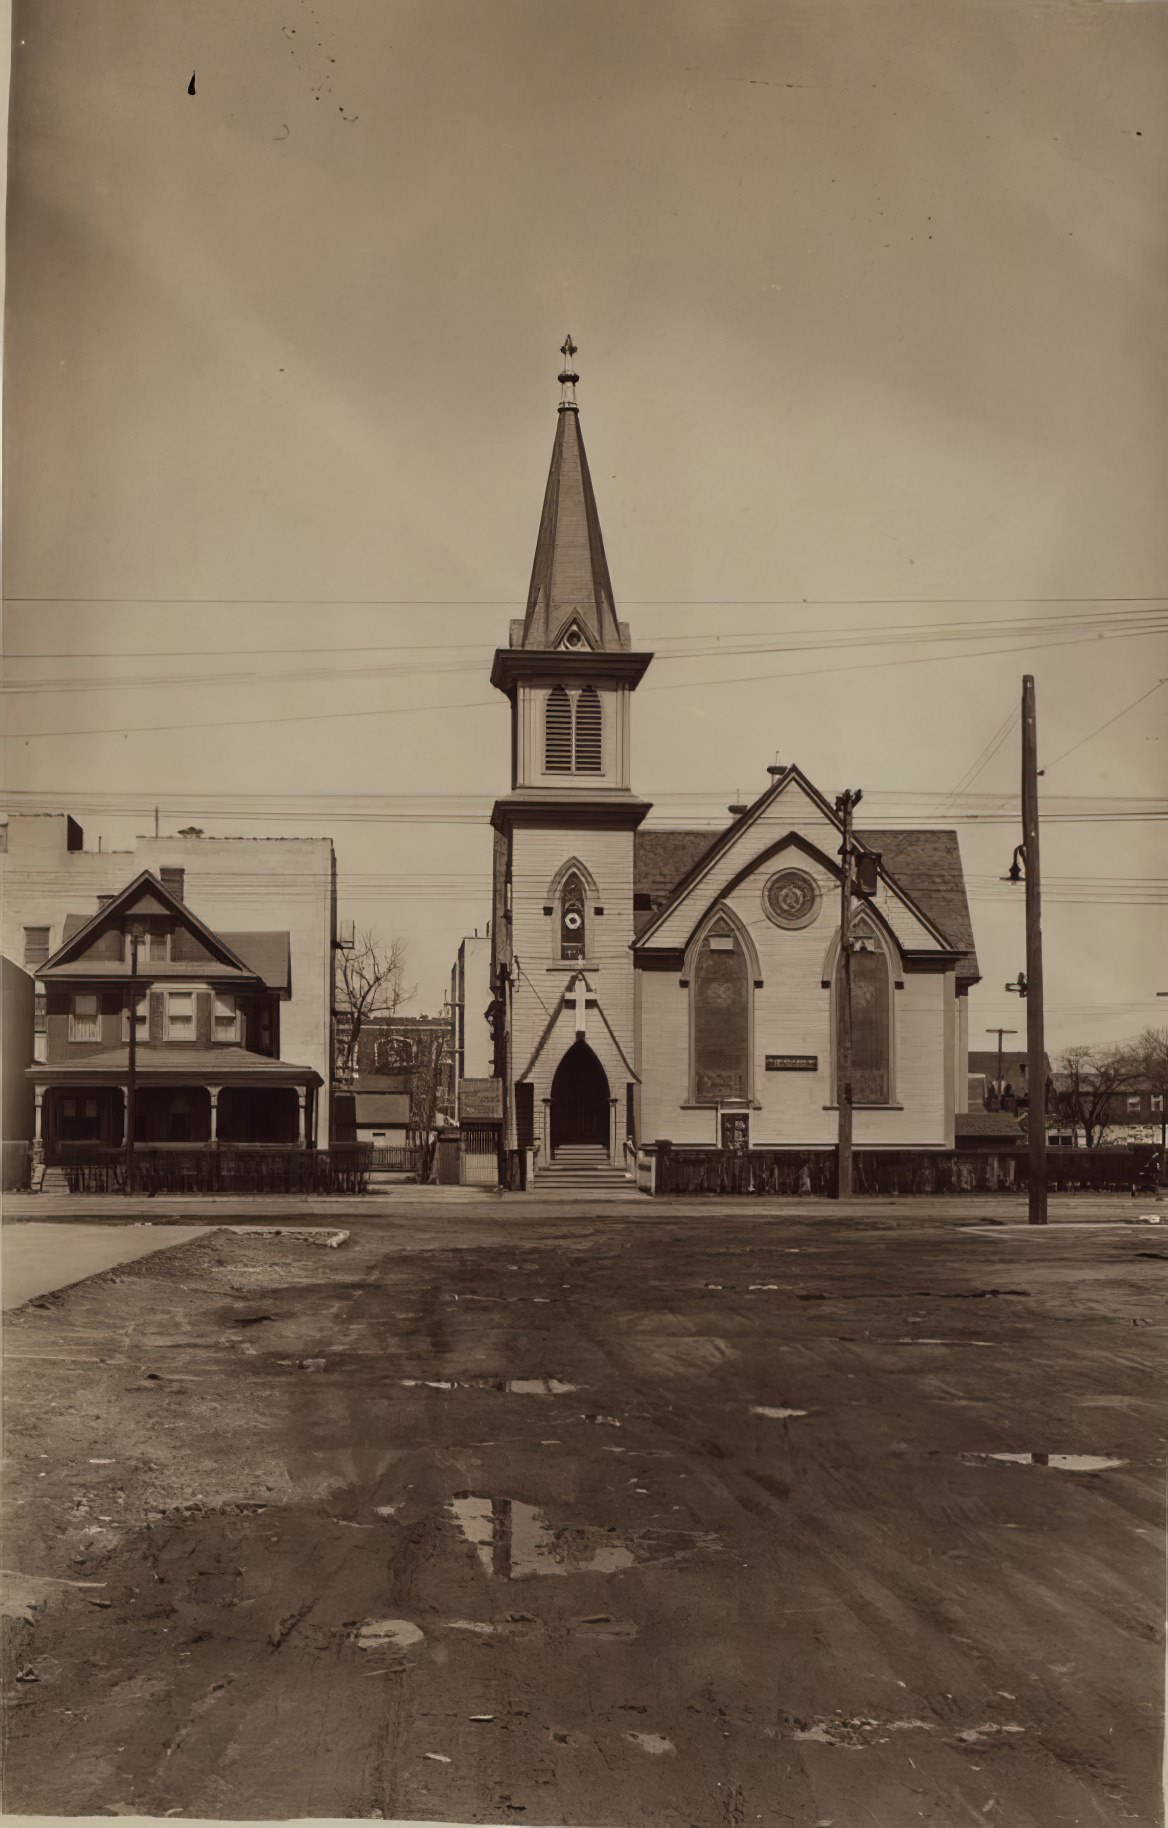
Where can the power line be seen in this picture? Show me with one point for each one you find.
(521, 602)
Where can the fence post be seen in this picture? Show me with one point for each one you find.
(664, 1176)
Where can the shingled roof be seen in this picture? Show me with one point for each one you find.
(925, 864)
(570, 575)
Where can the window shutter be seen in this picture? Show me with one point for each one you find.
(589, 728)
(557, 749)
(157, 1016)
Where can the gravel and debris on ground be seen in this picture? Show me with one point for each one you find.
(565, 1519)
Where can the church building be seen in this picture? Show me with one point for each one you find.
(685, 985)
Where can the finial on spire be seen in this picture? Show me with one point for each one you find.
(568, 378)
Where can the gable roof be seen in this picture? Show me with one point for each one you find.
(68, 959)
(924, 866)
(927, 865)
(268, 955)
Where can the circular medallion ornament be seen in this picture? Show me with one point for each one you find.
(791, 899)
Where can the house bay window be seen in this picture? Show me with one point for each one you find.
(85, 1018)
(226, 1019)
(180, 1015)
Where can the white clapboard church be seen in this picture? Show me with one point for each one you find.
(683, 985)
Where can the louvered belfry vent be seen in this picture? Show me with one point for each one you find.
(558, 733)
(588, 732)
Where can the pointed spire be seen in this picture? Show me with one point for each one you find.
(570, 600)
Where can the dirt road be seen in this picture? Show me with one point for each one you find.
(594, 1522)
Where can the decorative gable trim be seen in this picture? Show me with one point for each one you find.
(77, 943)
(792, 840)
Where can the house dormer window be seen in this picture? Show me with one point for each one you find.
(573, 732)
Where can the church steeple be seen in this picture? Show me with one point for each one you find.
(570, 599)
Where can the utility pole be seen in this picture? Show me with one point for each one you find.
(845, 806)
(132, 1062)
(1000, 1032)
(1035, 1037)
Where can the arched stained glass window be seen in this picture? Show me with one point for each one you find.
(871, 1020)
(589, 732)
(557, 744)
(721, 990)
(572, 918)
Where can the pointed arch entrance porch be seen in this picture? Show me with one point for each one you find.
(580, 1099)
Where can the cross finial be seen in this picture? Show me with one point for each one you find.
(568, 378)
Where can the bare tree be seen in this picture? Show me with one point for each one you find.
(1147, 1058)
(370, 982)
(1087, 1081)
(429, 1059)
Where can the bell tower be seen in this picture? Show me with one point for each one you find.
(565, 832)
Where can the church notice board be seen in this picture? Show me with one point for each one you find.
(792, 1063)
(480, 1100)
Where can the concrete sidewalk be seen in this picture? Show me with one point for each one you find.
(36, 1259)
(427, 1204)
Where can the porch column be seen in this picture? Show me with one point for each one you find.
(301, 1102)
(612, 1130)
(37, 1152)
(213, 1092)
(545, 1134)
(125, 1091)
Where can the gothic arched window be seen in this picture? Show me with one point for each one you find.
(557, 741)
(572, 920)
(871, 1018)
(720, 993)
(589, 743)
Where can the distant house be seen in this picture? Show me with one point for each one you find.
(1010, 1091)
(1129, 1116)
(404, 1045)
(375, 1112)
(52, 884)
(206, 1008)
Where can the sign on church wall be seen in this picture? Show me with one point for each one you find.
(792, 1063)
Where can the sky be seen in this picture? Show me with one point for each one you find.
(871, 299)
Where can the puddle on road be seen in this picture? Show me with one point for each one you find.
(513, 1386)
(1067, 1463)
(388, 1634)
(514, 1541)
(775, 1415)
(539, 1386)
